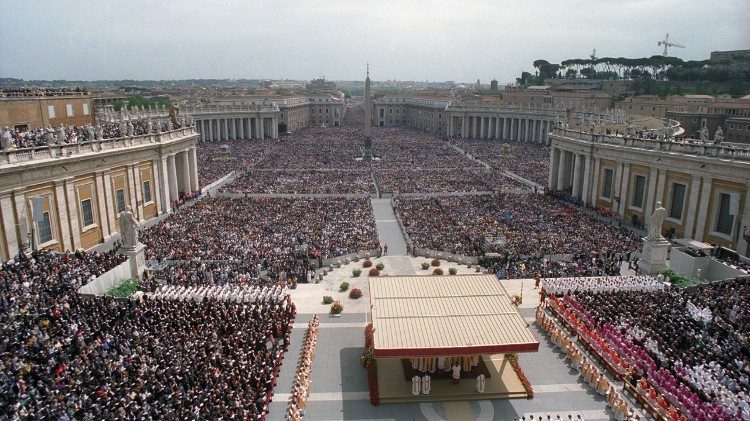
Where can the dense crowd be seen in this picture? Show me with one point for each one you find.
(281, 235)
(693, 352)
(532, 225)
(451, 180)
(511, 266)
(402, 148)
(526, 159)
(215, 160)
(302, 182)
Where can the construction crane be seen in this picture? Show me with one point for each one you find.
(668, 44)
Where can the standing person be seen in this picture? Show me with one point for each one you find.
(385, 248)
(456, 372)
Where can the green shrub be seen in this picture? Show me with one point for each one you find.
(125, 289)
(356, 273)
(425, 266)
(452, 271)
(327, 299)
(380, 266)
(679, 280)
(344, 286)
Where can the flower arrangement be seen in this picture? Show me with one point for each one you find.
(368, 359)
(380, 266)
(355, 293)
(344, 286)
(374, 272)
(437, 271)
(425, 266)
(327, 299)
(435, 262)
(513, 359)
(356, 273)
(452, 271)
(517, 300)
(367, 263)
(336, 308)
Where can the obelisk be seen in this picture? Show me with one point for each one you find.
(367, 153)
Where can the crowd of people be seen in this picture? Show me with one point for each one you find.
(282, 235)
(526, 159)
(302, 182)
(640, 283)
(301, 386)
(529, 224)
(509, 266)
(693, 352)
(444, 180)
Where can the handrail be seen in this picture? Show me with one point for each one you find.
(64, 150)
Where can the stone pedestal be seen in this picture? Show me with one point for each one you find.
(136, 258)
(653, 258)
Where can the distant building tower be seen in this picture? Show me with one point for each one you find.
(493, 85)
(478, 86)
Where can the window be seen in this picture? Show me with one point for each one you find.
(86, 109)
(45, 229)
(147, 191)
(87, 212)
(120, 197)
(724, 218)
(609, 175)
(51, 111)
(640, 188)
(677, 201)
(69, 109)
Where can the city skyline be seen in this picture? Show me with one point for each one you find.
(414, 41)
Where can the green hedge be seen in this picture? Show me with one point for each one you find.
(125, 289)
(679, 280)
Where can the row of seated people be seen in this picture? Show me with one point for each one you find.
(662, 342)
(235, 293)
(532, 225)
(64, 356)
(641, 283)
(594, 377)
(301, 386)
(301, 182)
(506, 266)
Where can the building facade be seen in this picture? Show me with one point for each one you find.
(705, 189)
(70, 196)
(31, 112)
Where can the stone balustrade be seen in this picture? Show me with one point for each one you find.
(17, 156)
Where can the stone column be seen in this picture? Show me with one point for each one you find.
(527, 131)
(10, 226)
(131, 188)
(74, 228)
(100, 204)
(624, 186)
(164, 190)
(172, 166)
(109, 200)
(577, 176)
(193, 156)
(210, 133)
(595, 182)
(138, 191)
(742, 244)
(586, 189)
(507, 122)
(650, 193)
(186, 173)
(554, 168)
(155, 181)
(481, 127)
(262, 128)
(692, 206)
(703, 209)
(561, 179)
(242, 128)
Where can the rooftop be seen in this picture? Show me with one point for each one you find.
(420, 316)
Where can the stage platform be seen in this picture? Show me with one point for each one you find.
(503, 383)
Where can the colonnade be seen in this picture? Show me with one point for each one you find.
(570, 171)
(178, 172)
(519, 128)
(216, 129)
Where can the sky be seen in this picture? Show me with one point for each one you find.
(405, 40)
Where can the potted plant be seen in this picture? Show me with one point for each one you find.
(380, 266)
(327, 299)
(425, 266)
(437, 271)
(356, 273)
(336, 308)
(355, 293)
(367, 263)
(435, 262)
(452, 271)
(344, 286)
(374, 272)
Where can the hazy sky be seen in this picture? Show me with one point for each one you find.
(405, 40)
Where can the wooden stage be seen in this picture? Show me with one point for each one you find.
(502, 384)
